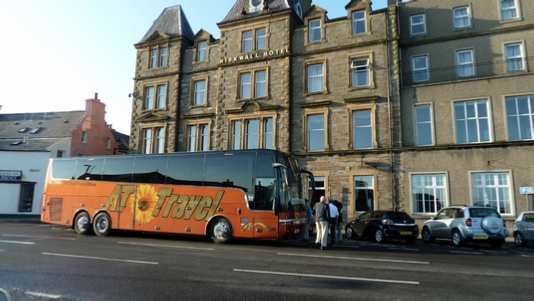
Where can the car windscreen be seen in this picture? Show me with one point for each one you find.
(397, 215)
(483, 212)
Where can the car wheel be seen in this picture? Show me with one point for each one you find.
(349, 233)
(82, 224)
(519, 239)
(220, 231)
(496, 243)
(102, 224)
(457, 238)
(379, 236)
(492, 225)
(427, 236)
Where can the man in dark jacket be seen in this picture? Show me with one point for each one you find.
(322, 214)
(339, 224)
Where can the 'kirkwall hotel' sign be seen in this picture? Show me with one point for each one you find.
(254, 56)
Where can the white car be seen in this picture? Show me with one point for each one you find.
(523, 228)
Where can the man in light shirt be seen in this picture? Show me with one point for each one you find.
(333, 222)
(322, 214)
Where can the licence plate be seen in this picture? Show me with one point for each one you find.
(481, 236)
(406, 233)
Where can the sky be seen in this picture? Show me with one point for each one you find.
(55, 54)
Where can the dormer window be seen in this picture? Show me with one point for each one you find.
(22, 130)
(201, 51)
(314, 30)
(35, 130)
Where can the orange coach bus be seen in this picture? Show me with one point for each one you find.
(254, 194)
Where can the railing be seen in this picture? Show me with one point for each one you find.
(468, 71)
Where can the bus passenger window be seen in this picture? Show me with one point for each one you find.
(118, 169)
(63, 169)
(89, 169)
(185, 170)
(150, 170)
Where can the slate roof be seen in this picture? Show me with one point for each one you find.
(171, 22)
(122, 140)
(236, 11)
(53, 127)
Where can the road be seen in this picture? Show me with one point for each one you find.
(45, 262)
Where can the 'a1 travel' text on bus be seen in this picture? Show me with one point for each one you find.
(249, 194)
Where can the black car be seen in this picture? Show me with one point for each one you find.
(382, 225)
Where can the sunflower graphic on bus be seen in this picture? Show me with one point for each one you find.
(143, 204)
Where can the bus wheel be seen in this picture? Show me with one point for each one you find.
(82, 224)
(102, 224)
(220, 231)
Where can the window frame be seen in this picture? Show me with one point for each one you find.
(307, 66)
(85, 137)
(156, 143)
(306, 133)
(485, 178)
(416, 71)
(373, 187)
(517, 117)
(460, 66)
(466, 120)
(254, 39)
(429, 122)
(354, 22)
(158, 57)
(193, 96)
(521, 58)
(200, 141)
(352, 109)
(241, 140)
(516, 9)
(423, 23)
(369, 68)
(314, 28)
(468, 16)
(157, 102)
(438, 204)
(253, 84)
(201, 51)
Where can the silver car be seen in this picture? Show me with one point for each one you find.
(523, 229)
(467, 223)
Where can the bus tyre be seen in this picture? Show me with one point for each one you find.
(221, 231)
(82, 224)
(102, 224)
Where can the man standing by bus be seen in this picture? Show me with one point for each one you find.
(322, 214)
(333, 222)
(308, 220)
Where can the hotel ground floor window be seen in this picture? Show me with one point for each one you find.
(364, 193)
(320, 189)
(428, 193)
(492, 190)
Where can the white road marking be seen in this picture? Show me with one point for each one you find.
(356, 258)
(165, 246)
(100, 258)
(49, 296)
(18, 242)
(64, 238)
(327, 276)
(465, 252)
(403, 249)
(528, 256)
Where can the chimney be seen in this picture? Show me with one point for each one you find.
(95, 108)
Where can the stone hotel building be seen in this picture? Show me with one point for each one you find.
(413, 107)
